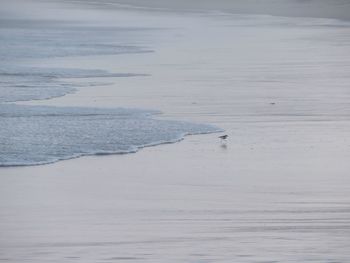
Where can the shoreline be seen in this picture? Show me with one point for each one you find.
(101, 154)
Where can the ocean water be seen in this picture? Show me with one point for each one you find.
(32, 135)
(30, 83)
(38, 38)
(38, 135)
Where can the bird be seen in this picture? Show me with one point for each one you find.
(223, 137)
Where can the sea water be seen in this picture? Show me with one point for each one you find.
(32, 135)
(37, 135)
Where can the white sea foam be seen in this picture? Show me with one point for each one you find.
(37, 135)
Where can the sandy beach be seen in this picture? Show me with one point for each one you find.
(185, 202)
(276, 191)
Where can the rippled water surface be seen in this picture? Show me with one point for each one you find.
(37, 135)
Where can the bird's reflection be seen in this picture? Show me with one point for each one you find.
(224, 146)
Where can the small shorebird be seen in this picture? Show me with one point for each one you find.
(223, 137)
